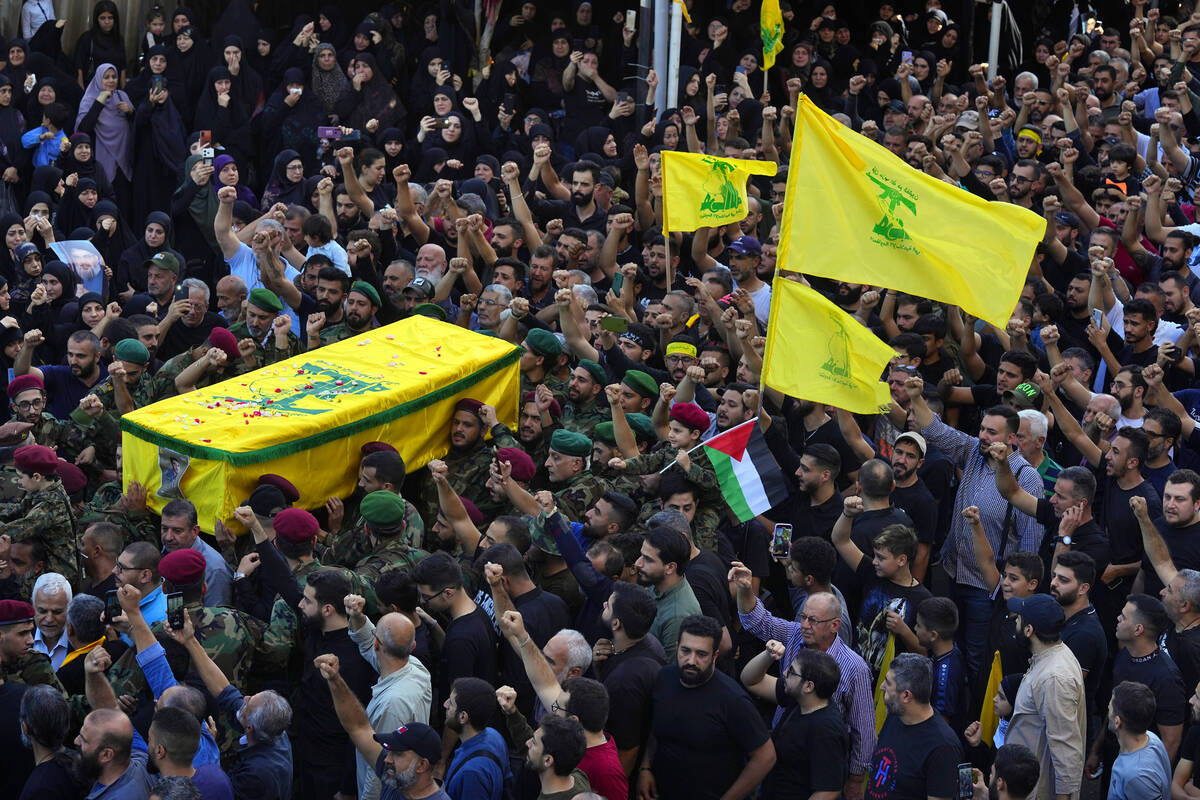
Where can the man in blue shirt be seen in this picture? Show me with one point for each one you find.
(66, 384)
(479, 767)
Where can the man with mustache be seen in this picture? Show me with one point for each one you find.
(265, 325)
(355, 315)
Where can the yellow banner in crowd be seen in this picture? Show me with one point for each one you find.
(855, 212)
(306, 418)
(819, 352)
(771, 24)
(706, 191)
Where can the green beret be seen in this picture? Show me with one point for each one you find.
(265, 299)
(133, 351)
(429, 310)
(643, 428)
(604, 433)
(641, 383)
(543, 343)
(383, 509)
(570, 443)
(367, 291)
(595, 370)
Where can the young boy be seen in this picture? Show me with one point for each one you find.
(937, 623)
(48, 137)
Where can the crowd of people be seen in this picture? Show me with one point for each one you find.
(564, 605)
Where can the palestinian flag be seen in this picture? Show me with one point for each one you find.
(750, 477)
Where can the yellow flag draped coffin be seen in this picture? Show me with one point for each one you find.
(306, 418)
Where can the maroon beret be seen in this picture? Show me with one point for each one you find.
(467, 404)
(222, 339)
(472, 510)
(24, 383)
(522, 465)
(282, 484)
(14, 611)
(690, 415)
(36, 458)
(182, 567)
(72, 477)
(295, 525)
(376, 447)
(555, 409)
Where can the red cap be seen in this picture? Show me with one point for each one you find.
(295, 525)
(522, 465)
(36, 458)
(472, 510)
(467, 404)
(222, 339)
(555, 409)
(72, 477)
(376, 447)
(14, 611)
(24, 383)
(691, 416)
(182, 566)
(290, 492)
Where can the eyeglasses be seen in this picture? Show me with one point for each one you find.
(122, 568)
(1020, 179)
(25, 405)
(295, 167)
(802, 618)
(791, 672)
(487, 301)
(427, 598)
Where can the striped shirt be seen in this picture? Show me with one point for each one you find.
(978, 488)
(853, 697)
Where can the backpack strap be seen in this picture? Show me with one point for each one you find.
(482, 752)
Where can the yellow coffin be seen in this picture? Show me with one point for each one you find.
(307, 417)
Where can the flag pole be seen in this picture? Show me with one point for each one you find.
(697, 447)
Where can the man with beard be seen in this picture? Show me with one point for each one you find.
(654, 258)
(1177, 299)
(540, 417)
(1074, 575)
(508, 238)
(195, 321)
(323, 326)
(1172, 259)
(27, 401)
(469, 461)
(404, 760)
(112, 754)
(231, 294)
(1104, 80)
(1181, 598)
(916, 753)
(542, 349)
(542, 263)
(733, 409)
(268, 329)
(216, 358)
(1026, 183)
(910, 493)
(553, 753)
(262, 766)
(1050, 709)
(162, 273)
(1162, 429)
(745, 253)
(398, 275)
(361, 303)
(1014, 775)
(127, 386)
(1177, 527)
(509, 273)
(661, 566)
(810, 423)
(384, 537)
(381, 469)
(65, 384)
(698, 709)
(324, 754)
(172, 742)
(581, 210)
(584, 409)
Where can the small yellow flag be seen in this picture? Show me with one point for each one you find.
(855, 212)
(819, 352)
(889, 652)
(987, 713)
(771, 24)
(702, 191)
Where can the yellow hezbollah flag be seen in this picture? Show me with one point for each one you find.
(819, 352)
(306, 418)
(706, 191)
(771, 24)
(889, 652)
(855, 212)
(987, 714)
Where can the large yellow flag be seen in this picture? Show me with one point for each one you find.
(702, 191)
(889, 652)
(855, 212)
(771, 24)
(987, 713)
(819, 352)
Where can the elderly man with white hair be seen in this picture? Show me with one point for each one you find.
(51, 596)
(1031, 441)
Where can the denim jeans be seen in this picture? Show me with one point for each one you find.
(975, 616)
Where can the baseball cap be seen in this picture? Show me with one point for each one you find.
(968, 119)
(916, 438)
(416, 736)
(897, 106)
(1041, 611)
(1067, 218)
(746, 246)
(1022, 396)
(422, 286)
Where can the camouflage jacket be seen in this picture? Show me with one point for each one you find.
(584, 419)
(68, 438)
(705, 523)
(267, 351)
(576, 495)
(557, 385)
(335, 333)
(32, 669)
(142, 393)
(469, 471)
(388, 554)
(164, 380)
(45, 515)
(350, 545)
(106, 506)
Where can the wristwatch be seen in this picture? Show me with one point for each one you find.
(237, 576)
(1064, 539)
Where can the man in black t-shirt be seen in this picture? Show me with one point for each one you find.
(912, 495)
(917, 754)
(810, 740)
(1179, 527)
(1141, 622)
(708, 740)
(1072, 579)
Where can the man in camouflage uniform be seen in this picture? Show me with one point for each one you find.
(469, 460)
(574, 487)
(19, 662)
(270, 331)
(125, 509)
(127, 386)
(217, 358)
(542, 353)
(231, 638)
(384, 515)
(587, 406)
(44, 512)
(381, 469)
(86, 427)
(358, 316)
(539, 417)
